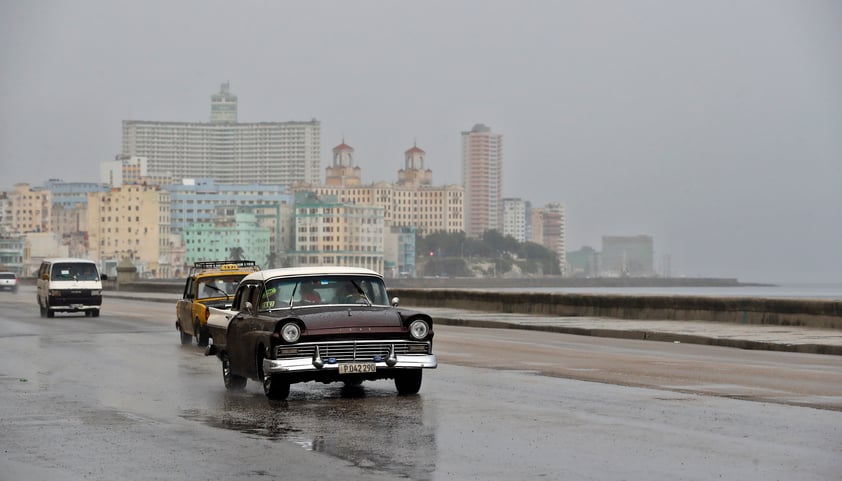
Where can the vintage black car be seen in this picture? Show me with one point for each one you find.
(325, 324)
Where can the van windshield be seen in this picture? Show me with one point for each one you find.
(74, 271)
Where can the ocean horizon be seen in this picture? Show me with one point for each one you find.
(825, 291)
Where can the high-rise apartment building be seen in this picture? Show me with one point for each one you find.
(548, 229)
(225, 149)
(514, 219)
(482, 177)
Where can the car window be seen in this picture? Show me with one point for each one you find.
(308, 291)
(218, 286)
(277, 293)
(78, 271)
(6, 275)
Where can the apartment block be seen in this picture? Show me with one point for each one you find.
(31, 209)
(132, 222)
(514, 219)
(548, 229)
(227, 238)
(227, 150)
(331, 232)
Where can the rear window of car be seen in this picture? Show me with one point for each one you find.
(7, 275)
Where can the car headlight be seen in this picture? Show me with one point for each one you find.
(290, 332)
(419, 329)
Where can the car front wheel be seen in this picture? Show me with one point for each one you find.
(408, 382)
(233, 382)
(275, 387)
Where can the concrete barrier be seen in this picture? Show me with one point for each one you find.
(744, 310)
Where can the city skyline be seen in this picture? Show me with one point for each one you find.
(712, 127)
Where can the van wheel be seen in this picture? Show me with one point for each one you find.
(50, 313)
(95, 313)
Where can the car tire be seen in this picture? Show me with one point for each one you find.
(408, 382)
(50, 312)
(201, 334)
(233, 382)
(95, 313)
(275, 387)
(186, 339)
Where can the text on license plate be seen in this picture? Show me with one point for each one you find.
(357, 367)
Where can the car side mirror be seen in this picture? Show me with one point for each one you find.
(103, 277)
(395, 302)
(249, 307)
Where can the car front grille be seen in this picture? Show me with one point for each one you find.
(347, 351)
(75, 293)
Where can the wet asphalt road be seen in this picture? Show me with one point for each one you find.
(118, 398)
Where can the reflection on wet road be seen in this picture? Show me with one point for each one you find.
(368, 427)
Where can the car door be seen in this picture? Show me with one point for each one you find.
(240, 339)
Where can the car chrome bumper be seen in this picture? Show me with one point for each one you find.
(304, 364)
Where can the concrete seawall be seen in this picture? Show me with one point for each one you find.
(784, 312)
(817, 313)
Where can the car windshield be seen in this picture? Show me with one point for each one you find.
(6, 275)
(218, 286)
(324, 290)
(75, 271)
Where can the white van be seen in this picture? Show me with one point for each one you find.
(69, 285)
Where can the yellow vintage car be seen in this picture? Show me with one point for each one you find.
(208, 284)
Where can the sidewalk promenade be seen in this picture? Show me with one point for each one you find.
(743, 336)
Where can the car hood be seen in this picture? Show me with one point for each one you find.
(374, 317)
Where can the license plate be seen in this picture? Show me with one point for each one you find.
(357, 367)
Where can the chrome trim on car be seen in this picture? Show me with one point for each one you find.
(301, 364)
(352, 350)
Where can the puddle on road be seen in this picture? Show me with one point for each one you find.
(368, 426)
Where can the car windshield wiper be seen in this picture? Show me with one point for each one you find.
(219, 290)
(361, 291)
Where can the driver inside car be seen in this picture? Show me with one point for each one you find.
(309, 294)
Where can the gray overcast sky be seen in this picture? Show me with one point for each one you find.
(714, 126)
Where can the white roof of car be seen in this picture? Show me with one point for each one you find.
(310, 271)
